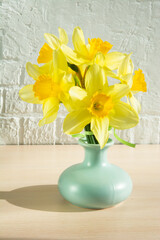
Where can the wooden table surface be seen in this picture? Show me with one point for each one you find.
(31, 207)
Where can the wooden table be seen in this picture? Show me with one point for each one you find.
(31, 207)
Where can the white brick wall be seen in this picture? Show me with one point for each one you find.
(130, 25)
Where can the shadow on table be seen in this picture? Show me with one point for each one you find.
(8, 238)
(40, 197)
(26, 238)
(23, 238)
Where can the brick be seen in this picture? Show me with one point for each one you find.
(60, 136)
(38, 108)
(27, 78)
(147, 131)
(10, 72)
(33, 134)
(131, 26)
(150, 104)
(9, 131)
(13, 103)
(1, 100)
(61, 113)
(126, 134)
(156, 9)
(17, 19)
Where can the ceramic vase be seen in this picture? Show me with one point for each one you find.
(95, 183)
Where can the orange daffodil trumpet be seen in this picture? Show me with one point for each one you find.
(85, 53)
(79, 79)
(46, 52)
(100, 105)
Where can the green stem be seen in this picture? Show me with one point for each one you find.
(90, 138)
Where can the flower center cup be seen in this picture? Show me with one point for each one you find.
(139, 83)
(100, 105)
(44, 87)
(45, 54)
(97, 45)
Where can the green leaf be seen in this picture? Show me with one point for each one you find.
(79, 135)
(123, 141)
(73, 67)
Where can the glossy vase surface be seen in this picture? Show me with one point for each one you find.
(95, 183)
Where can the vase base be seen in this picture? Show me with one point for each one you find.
(89, 208)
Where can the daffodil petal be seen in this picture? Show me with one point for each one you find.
(35, 71)
(52, 40)
(79, 41)
(126, 66)
(78, 98)
(123, 116)
(127, 79)
(50, 110)
(114, 59)
(27, 95)
(76, 121)
(68, 105)
(77, 93)
(99, 59)
(95, 79)
(73, 57)
(32, 70)
(46, 68)
(66, 82)
(59, 61)
(135, 103)
(63, 36)
(110, 73)
(99, 127)
(45, 54)
(117, 91)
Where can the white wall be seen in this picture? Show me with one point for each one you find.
(130, 25)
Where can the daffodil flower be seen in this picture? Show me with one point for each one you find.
(46, 52)
(100, 105)
(136, 82)
(51, 87)
(113, 59)
(95, 52)
(84, 53)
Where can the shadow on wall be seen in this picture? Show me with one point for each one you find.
(42, 197)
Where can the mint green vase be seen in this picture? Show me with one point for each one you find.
(95, 183)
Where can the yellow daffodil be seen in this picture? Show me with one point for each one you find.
(83, 53)
(51, 87)
(136, 82)
(113, 60)
(95, 52)
(46, 52)
(100, 105)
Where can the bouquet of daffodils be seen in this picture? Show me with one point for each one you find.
(79, 79)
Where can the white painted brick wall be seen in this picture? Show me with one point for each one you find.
(130, 25)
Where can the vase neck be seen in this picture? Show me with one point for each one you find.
(95, 156)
